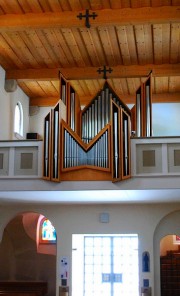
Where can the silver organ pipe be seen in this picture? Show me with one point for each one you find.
(116, 144)
(126, 147)
(72, 111)
(138, 115)
(97, 115)
(148, 117)
(74, 155)
(46, 148)
(56, 136)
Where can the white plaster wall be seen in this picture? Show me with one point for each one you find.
(166, 119)
(8, 102)
(37, 121)
(79, 219)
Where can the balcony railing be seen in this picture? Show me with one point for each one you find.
(21, 159)
(155, 156)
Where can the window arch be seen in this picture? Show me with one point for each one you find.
(47, 231)
(18, 119)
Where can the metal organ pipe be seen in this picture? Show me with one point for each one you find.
(148, 129)
(75, 155)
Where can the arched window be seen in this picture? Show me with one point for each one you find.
(18, 119)
(47, 232)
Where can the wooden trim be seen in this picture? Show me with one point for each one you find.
(107, 17)
(78, 73)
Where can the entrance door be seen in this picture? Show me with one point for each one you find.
(110, 265)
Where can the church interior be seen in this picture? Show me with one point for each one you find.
(89, 147)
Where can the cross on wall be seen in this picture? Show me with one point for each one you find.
(87, 15)
(104, 71)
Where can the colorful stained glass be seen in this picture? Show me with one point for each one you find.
(48, 231)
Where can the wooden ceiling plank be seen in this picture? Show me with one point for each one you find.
(140, 43)
(123, 42)
(65, 5)
(28, 91)
(56, 85)
(64, 47)
(21, 50)
(126, 3)
(48, 88)
(45, 6)
(106, 44)
(35, 6)
(98, 45)
(165, 43)
(106, 17)
(157, 41)
(115, 45)
(106, 4)
(115, 4)
(11, 7)
(26, 37)
(24, 6)
(76, 85)
(148, 44)
(56, 47)
(47, 46)
(96, 4)
(39, 47)
(74, 47)
(90, 47)
(54, 5)
(37, 89)
(9, 53)
(75, 5)
(78, 36)
(131, 44)
(174, 44)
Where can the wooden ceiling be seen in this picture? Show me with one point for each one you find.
(39, 38)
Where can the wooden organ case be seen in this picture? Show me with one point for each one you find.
(142, 111)
(92, 144)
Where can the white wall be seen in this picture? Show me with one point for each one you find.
(142, 219)
(8, 102)
(37, 120)
(166, 119)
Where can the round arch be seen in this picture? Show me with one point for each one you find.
(170, 224)
(18, 247)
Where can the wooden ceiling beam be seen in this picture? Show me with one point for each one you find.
(105, 17)
(127, 99)
(120, 71)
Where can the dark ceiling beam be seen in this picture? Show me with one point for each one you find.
(120, 71)
(105, 17)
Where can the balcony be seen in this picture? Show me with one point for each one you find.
(155, 164)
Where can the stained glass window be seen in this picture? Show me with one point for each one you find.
(48, 232)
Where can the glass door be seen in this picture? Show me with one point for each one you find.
(110, 265)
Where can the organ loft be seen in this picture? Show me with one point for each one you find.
(93, 144)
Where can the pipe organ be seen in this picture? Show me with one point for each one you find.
(89, 144)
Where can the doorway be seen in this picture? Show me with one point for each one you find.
(105, 265)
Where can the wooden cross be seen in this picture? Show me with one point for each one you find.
(87, 16)
(104, 71)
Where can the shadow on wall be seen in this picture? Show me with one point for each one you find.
(19, 259)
